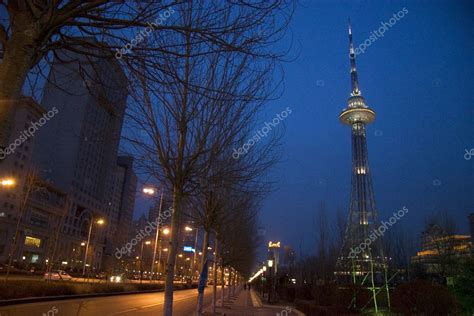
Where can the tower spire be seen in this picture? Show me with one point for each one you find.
(354, 81)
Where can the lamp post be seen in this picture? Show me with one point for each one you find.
(193, 263)
(99, 222)
(141, 259)
(195, 251)
(270, 279)
(158, 228)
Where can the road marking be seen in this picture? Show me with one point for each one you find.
(122, 312)
(174, 300)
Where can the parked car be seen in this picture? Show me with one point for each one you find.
(57, 275)
(4, 268)
(117, 278)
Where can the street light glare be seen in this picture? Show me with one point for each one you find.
(166, 231)
(150, 191)
(147, 242)
(7, 182)
(188, 229)
(100, 222)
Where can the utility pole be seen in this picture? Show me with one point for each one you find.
(157, 237)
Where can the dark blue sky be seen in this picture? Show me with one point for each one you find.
(419, 80)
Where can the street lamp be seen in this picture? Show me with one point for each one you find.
(263, 280)
(98, 222)
(141, 258)
(149, 191)
(270, 279)
(193, 263)
(7, 182)
(166, 231)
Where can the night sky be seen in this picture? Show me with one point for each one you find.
(418, 79)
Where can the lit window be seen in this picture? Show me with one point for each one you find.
(34, 258)
(32, 242)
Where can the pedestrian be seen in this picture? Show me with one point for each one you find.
(245, 286)
(250, 286)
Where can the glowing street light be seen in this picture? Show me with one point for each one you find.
(7, 182)
(100, 221)
(146, 242)
(166, 231)
(188, 229)
(148, 190)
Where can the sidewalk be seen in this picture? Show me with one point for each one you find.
(249, 303)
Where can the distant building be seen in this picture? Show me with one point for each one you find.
(440, 250)
(15, 166)
(471, 227)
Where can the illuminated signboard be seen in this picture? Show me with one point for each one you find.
(188, 249)
(273, 244)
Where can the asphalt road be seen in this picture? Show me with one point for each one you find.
(123, 305)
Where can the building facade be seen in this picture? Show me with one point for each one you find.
(75, 168)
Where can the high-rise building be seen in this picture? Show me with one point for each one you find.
(78, 151)
(120, 209)
(361, 260)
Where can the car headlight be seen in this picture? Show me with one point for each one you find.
(112, 279)
(118, 279)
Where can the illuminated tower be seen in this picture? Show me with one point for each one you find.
(361, 260)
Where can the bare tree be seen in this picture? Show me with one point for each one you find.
(35, 29)
(191, 107)
(440, 244)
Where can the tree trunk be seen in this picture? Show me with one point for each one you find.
(16, 63)
(234, 283)
(205, 244)
(175, 223)
(214, 285)
(229, 288)
(222, 286)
